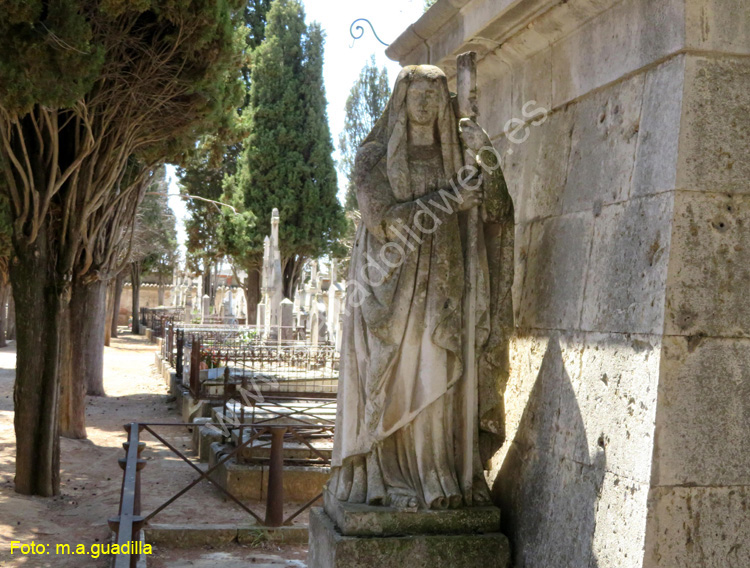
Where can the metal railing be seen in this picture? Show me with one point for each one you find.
(129, 522)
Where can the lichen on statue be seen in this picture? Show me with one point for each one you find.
(401, 421)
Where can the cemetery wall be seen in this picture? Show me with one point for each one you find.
(628, 401)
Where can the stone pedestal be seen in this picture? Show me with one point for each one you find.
(359, 536)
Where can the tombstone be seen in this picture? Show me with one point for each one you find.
(227, 308)
(188, 308)
(229, 302)
(335, 303)
(275, 284)
(242, 305)
(314, 330)
(260, 317)
(205, 308)
(287, 319)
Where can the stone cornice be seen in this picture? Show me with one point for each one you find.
(520, 27)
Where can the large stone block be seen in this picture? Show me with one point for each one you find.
(620, 524)
(549, 506)
(718, 25)
(616, 398)
(329, 549)
(533, 82)
(701, 527)
(604, 139)
(575, 497)
(709, 266)
(521, 254)
(702, 426)
(190, 536)
(495, 98)
(553, 286)
(353, 519)
(535, 163)
(250, 481)
(541, 391)
(629, 36)
(627, 271)
(714, 140)
(659, 131)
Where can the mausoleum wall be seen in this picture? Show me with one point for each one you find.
(628, 404)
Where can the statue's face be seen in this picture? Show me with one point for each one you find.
(422, 101)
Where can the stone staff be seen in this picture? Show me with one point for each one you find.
(466, 86)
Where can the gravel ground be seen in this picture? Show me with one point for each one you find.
(91, 478)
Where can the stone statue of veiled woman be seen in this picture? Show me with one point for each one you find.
(402, 421)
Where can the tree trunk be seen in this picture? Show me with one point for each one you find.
(291, 271)
(110, 311)
(160, 298)
(10, 325)
(206, 284)
(4, 294)
(39, 303)
(81, 356)
(88, 320)
(135, 278)
(252, 295)
(72, 385)
(119, 281)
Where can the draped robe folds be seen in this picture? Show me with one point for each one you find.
(401, 423)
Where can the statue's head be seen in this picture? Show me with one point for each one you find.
(427, 91)
(421, 96)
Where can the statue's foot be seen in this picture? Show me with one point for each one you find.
(455, 501)
(403, 501)
(439, 504)
(481, 494)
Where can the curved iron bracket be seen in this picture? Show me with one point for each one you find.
(357, 31)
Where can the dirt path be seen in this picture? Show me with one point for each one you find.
(91, 478)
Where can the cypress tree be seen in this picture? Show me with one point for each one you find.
(287, 160)
(364, 106)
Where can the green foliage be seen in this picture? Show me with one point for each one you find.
(214, 159)
(201, 178)
(255, 26)
(155, 234)
(58, 52)
(366, 103)
(428, 4)
(287, 159)
(238, 232)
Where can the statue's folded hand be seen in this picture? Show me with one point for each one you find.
(471, 195)
(473, 136)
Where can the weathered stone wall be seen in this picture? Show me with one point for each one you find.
(628, 405)
(700, 483)
(148, 297)
(594, 208)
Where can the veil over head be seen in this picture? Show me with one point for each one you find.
(392, 128)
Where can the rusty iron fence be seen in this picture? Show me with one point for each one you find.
(280, 369)
(131, 520)
(158, 319)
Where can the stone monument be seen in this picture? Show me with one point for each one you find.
(425, 337)
(273, 282)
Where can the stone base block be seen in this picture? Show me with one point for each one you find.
(328, 548)
(364, 520)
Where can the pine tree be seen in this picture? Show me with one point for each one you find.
(287, 161)
(364, 106)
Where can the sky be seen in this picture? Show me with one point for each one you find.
(343, 59)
